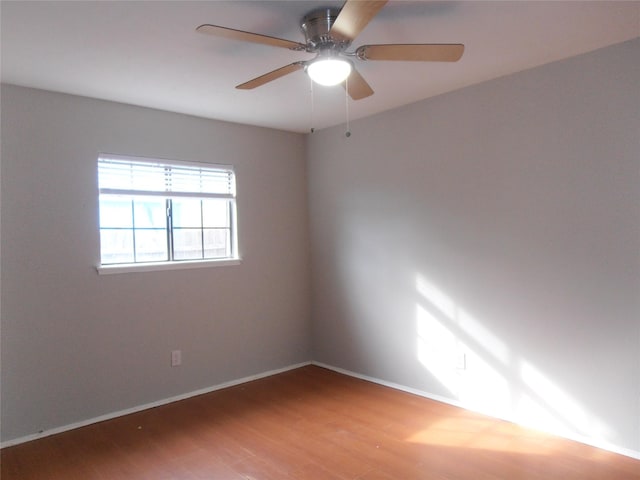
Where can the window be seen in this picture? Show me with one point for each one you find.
(154, 211)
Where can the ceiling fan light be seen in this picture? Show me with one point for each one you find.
(329, 71)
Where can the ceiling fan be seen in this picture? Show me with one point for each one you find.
(328, 33)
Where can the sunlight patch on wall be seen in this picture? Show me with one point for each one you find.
(449, 342)
(436, 297)
(437, 349)
(484, 337)
(566, 416)
(463, 372)
(483, 374)
(483, 388)
(450, 311)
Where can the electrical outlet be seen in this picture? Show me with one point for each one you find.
(176, 358)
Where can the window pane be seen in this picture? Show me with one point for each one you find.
(138, 228)
(217, 243)
(186, 212)
(150, 212)
(215, 213)
(151, 245)
(187, 244)
(115, 212)
(116, 246)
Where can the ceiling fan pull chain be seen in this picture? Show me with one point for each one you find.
(346, 101)
(312, 106)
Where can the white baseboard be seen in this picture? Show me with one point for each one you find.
(138, 408)
(586, 440)
(577, 438)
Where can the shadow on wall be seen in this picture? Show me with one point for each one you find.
(485, 375)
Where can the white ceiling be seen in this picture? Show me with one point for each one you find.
(148, 53)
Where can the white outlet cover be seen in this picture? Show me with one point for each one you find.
(176, 358)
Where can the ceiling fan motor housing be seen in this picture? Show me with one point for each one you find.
(316, 26)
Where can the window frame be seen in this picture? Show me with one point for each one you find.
(169, 196)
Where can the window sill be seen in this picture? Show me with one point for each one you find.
(156, 266)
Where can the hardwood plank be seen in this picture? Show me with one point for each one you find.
(309, 424)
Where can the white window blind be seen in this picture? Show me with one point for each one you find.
(164, 211)
(130, 176)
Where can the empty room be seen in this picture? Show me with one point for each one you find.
(320, 240)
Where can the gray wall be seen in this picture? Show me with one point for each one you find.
(497, 226)
(76, 345)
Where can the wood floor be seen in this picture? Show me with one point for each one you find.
(309, 424)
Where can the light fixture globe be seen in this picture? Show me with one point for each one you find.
(329, 70)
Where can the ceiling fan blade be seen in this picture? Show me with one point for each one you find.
(412, 52)
(249, 37)
(271, 76)
(356, 86)
(354, 16)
